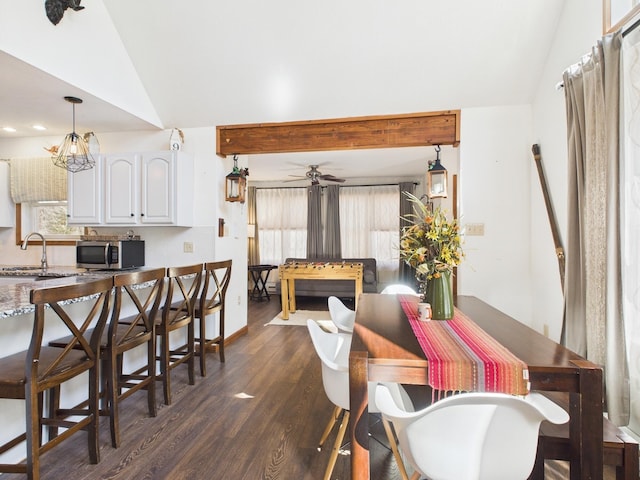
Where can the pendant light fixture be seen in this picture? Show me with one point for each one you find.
(236, 182)
(437, 178)
(73, 154)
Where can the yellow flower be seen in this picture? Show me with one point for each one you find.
(431, 243)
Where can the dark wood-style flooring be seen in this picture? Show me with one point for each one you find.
(257, 416)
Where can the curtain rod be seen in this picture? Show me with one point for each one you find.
(631, 28)
(325, 186)
(625, 32)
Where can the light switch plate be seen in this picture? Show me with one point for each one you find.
(476, 229)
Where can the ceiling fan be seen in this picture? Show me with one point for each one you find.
(316, 175)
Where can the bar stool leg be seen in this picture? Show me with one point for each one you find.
(192, 356)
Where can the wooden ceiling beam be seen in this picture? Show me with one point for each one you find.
(386, 131)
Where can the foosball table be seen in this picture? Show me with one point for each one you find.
(290, 272)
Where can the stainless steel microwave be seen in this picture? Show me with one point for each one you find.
(110, 255)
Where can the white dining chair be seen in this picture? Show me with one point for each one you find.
(342, 316)
(333, 350)
(471, 436)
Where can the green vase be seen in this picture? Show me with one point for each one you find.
(440, 297)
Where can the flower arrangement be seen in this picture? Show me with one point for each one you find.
(431, 244)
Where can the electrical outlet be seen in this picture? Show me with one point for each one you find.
(239, 299)
(188, 247)
(474, 229)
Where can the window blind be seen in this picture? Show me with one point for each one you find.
(37, 180)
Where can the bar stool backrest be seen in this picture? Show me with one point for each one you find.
(59, 299)
(129, 286)
(183, 286)
(216, 282)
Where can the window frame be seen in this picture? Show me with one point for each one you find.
(19, 233)
(606, 17)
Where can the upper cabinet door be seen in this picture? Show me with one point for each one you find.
(158, 188)
(121, 189)
(84, 197)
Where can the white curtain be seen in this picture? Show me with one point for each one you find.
(594, 321)
(630, 212)
(281, 214)
(369, 226)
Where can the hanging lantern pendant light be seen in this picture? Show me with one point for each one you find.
(73, 154)
(235, 183)
(437, 178)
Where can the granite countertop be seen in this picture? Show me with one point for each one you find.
(37, 271)
(14, 296)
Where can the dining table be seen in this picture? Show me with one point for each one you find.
(384, 348)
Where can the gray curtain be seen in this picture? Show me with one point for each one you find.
(252, 219)
(314, 222)
(594, 324)
(406, 274)
(332, 248)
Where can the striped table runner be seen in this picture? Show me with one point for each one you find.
(463, 357)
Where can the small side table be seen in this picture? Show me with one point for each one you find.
(260, 275)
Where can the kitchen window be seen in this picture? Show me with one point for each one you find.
(48, 218)
(39, 191)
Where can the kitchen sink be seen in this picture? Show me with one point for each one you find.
(32, 273)
(49, 276)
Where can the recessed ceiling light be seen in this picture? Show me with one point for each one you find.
(9, 129)
(39, 127)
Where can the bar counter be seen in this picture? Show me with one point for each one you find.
(17, 282)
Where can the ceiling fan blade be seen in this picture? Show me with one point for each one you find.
(295, 179)
(331, 178)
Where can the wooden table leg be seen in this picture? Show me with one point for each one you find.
(585, 430)
(284, 298)
(358, 290)
(292, 295)
(358, 398)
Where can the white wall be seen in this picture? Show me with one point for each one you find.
(164, 245)
(579, 28)
(513, 266)
(494, 185)
(91, 41)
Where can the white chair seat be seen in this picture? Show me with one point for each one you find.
(471, 436)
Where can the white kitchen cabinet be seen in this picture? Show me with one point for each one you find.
(121, 189)
(149, 188)
(84, 196)
(7, 207)
(158, 188)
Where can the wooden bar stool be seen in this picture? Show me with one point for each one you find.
(27, 375)
(211, 301)
(177, 314)
(143, 291)
(124, 333)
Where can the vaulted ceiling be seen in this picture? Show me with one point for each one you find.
(205, 63)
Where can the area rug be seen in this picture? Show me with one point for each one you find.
(300, 317)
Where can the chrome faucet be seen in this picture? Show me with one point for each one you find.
(43, 260)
